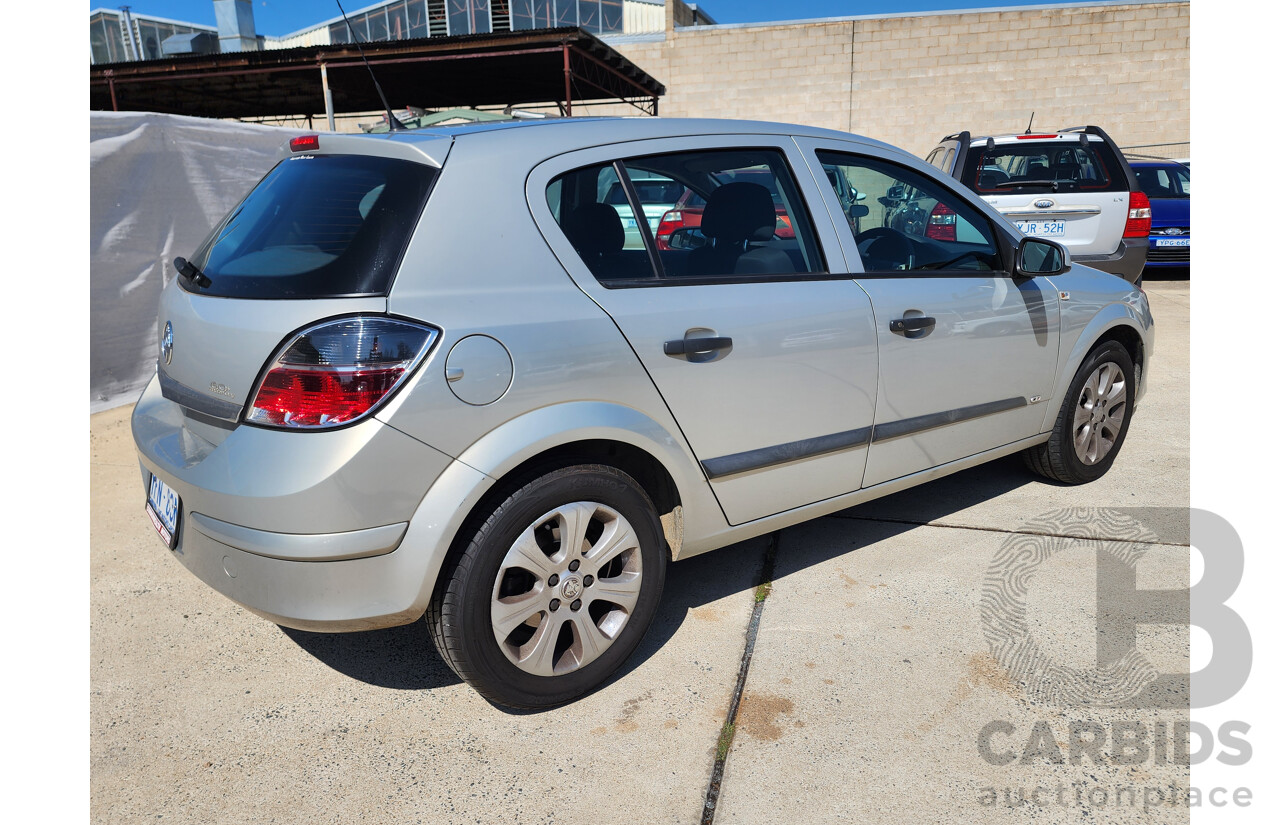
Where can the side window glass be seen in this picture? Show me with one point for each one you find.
(725, 213)
(907, 222)
(592, 209)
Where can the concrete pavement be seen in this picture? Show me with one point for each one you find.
(868, 691)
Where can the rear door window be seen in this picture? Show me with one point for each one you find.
(722, 214)
(317, 226)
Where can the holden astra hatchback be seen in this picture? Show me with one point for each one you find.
(423, 373)
(1073, 186)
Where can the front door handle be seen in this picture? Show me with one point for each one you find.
(695, 346)
(916, 324)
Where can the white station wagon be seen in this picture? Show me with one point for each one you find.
(424, 373)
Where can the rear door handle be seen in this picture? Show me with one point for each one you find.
(694, 346)
(912, 324)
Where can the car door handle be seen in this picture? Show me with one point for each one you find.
(692, 346)
(912, 324)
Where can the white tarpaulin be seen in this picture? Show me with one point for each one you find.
(158, 184)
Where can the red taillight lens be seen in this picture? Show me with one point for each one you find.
(672, 220)
(1036, 137)
(304, 143)
(942, 224)
(1139, 223)
(337, 372)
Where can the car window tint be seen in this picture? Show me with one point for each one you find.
(731, 213)
(904, 221)
(1066, 165)
(317, 227)
(593, 211)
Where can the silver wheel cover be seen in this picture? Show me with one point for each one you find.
(1100, 413)
(583, 554)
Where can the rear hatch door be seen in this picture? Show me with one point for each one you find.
(1056, 188)
(320, 236)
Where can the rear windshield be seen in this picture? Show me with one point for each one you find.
(1060, 166)
(317, 226)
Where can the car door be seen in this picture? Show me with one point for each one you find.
(967, 352)
(761, 346)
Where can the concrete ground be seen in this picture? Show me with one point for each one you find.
(870, 682)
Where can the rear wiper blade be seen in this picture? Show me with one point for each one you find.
(192, 273)
(1013, 184)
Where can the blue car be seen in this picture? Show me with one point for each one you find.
(1167, 185)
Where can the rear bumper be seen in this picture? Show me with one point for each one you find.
(316, 531)
(1127, 261)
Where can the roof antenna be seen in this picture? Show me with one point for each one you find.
(393, 123)
(1029, 122)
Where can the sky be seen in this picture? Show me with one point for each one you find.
(280, 17)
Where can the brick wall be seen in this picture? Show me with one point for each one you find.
(911, 80)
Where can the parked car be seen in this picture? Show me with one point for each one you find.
(1167, 184)
(687, 210)
(370, 405)
(657, 194)
(1073, 186)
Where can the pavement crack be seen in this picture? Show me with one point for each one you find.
(764, 586)
(1047, 534)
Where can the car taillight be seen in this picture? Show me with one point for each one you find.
(1139, 223)
(942, 224)
(337, 372)
(672, 220)
(304, 143)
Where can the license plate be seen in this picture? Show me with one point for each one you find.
(163, 506)
(1042, 229)
(1173, 242)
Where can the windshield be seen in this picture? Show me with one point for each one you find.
(317, 226)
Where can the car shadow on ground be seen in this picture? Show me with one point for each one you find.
(405, 658)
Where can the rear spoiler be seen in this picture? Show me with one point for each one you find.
(1085, 131)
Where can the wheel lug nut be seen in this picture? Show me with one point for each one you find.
(553, 581)
(587, 581)
(574, 565)
(555, 605)
(577, 604)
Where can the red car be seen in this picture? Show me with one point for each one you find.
(687, 211)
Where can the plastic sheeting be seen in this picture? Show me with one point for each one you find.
(158, 184)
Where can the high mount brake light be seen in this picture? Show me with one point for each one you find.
(304, 143)
(337, 372)
(1139, 223)
(1037, 137)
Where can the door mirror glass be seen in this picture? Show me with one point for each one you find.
(1037, 257)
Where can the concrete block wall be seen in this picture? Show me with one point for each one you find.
(911, 80)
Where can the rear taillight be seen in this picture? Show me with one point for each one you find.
(942, 224)
(672, 220)
(337, 372)
(1139, 223)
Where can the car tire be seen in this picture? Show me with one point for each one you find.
(1090, 427)
(531, 623)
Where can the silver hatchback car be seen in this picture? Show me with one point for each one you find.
(423, 373)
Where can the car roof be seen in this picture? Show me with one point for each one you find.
(567, 133)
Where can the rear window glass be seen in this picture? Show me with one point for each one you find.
(1063, 166)
(317, 226)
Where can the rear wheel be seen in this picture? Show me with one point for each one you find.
(554, 590)
(1093, 421)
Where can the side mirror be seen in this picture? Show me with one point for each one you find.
(687, 237)
(896, 192)
(1039, 257)
(857, 210)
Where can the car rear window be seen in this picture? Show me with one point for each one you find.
(1059, 165)
(317, 226)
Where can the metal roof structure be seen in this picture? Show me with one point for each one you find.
(559, 65)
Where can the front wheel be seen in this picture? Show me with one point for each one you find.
(1093, 421)
(554, 590)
